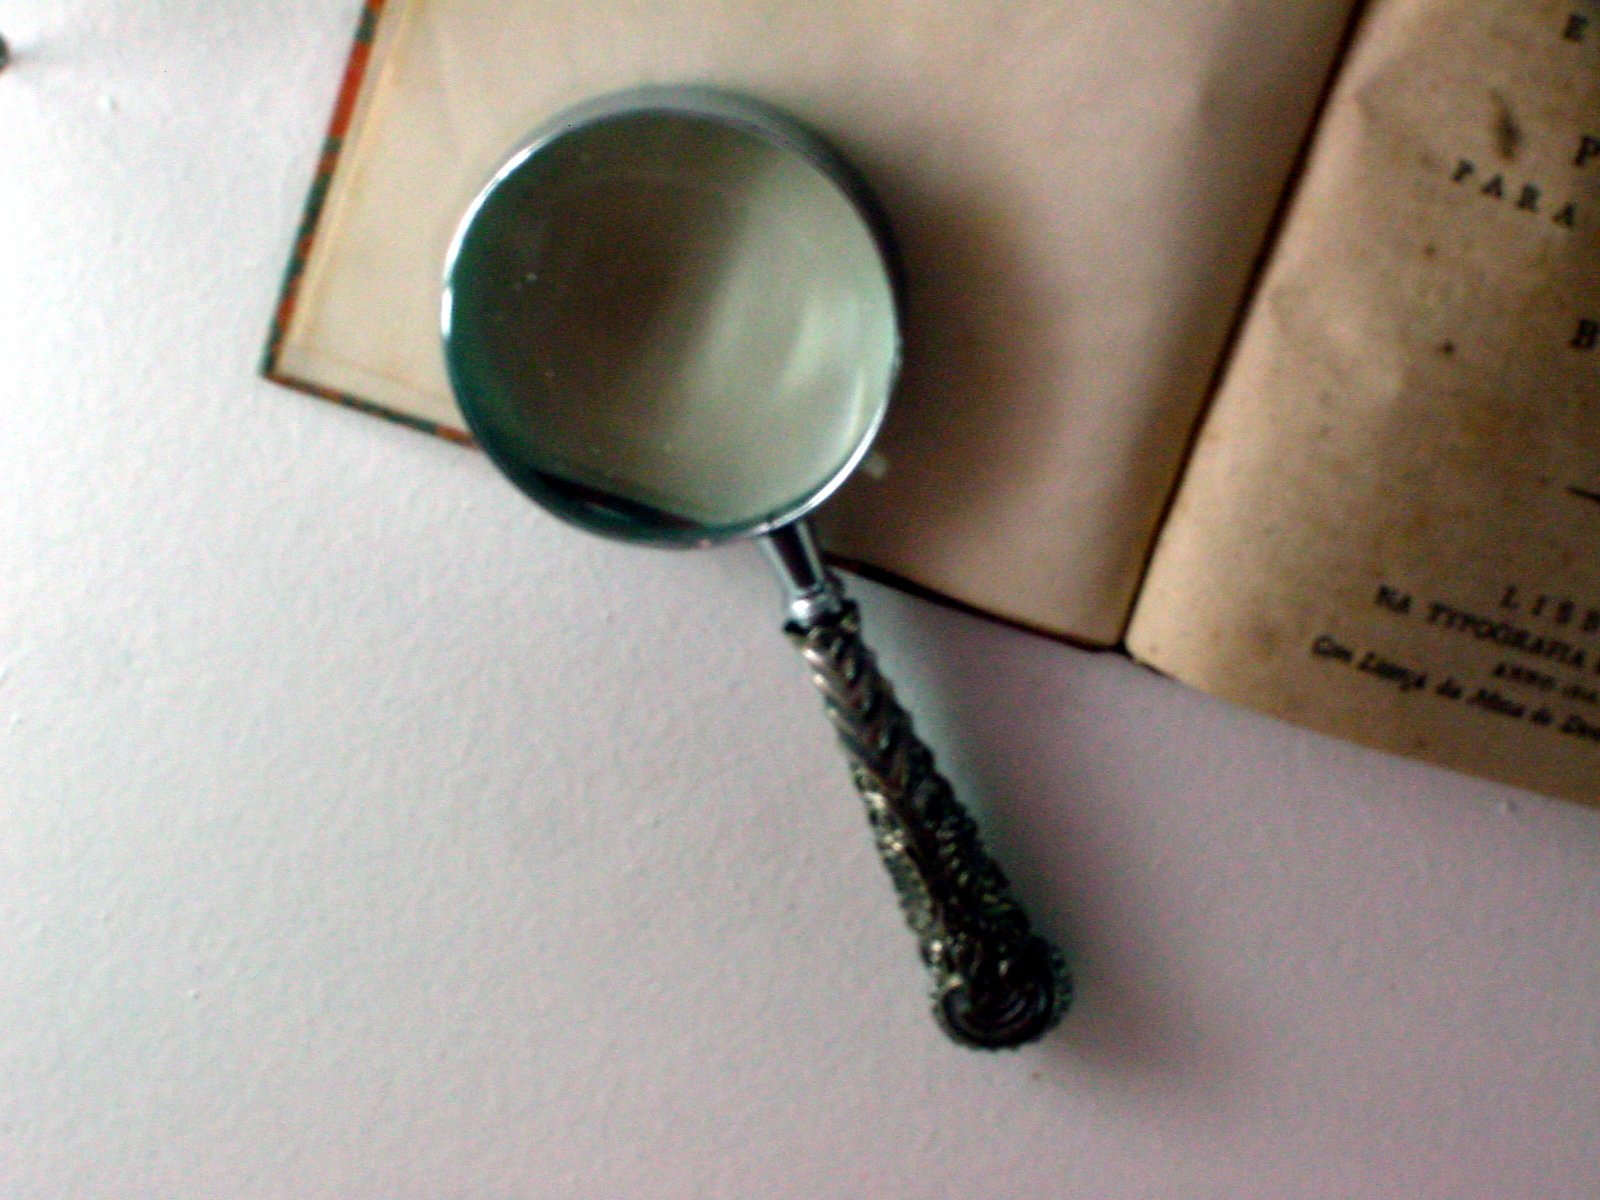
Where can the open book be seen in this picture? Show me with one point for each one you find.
(1258, 337)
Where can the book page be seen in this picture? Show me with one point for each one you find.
(1391, 525)
(1080, 192)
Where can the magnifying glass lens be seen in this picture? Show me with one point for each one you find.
(670, 328)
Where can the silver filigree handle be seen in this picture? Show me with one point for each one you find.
(995, 983)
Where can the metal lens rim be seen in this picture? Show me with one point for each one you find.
(764, 122)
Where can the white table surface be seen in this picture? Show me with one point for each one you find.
(363, 833)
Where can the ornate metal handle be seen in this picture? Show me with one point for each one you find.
(995, 983)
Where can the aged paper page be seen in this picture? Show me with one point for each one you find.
(1391, 526)
(1081, 192)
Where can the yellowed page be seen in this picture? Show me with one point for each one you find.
(1080, 190)
(1391, 526)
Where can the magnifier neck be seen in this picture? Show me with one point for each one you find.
(812, 594)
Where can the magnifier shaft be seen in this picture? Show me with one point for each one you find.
(995, 983)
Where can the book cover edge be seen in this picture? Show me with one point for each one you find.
(355, 73)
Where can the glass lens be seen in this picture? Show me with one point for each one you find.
(667, 327)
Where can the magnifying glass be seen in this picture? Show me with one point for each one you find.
(673, 318)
